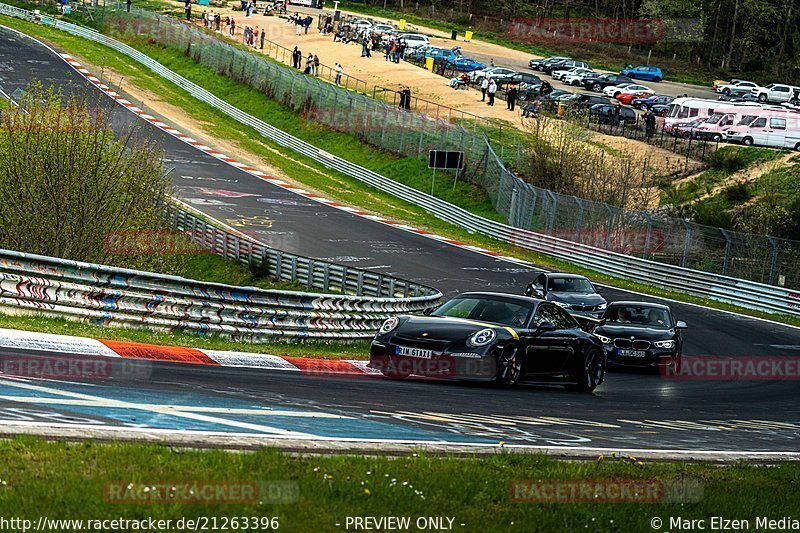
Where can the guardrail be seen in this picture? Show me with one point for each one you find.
(708, 285)
(34, 284)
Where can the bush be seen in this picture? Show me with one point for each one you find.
(68, 185)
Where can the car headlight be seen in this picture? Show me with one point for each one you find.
(664, 344)
(482, 338)
(389, 325)
(602, 306)
(603, 338)
(562, 304)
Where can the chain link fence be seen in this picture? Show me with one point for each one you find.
(403, 131)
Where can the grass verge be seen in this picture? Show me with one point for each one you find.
(78, 481)
(305, 170)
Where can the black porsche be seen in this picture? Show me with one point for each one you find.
(491, 337)
(639, 334)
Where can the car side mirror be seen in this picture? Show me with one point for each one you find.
(598, 289)
(546, 326)
(681, 325)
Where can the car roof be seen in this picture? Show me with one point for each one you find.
(634, 303)
(506, 296)
(564, 275)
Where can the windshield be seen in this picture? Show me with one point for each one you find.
(638, 316)
(715, 118)
(570, 285)
(487, 309)
(746, 120)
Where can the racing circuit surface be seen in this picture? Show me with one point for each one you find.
(629, 410)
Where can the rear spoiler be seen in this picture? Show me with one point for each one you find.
(587, 323)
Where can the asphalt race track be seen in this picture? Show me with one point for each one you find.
(630, 410)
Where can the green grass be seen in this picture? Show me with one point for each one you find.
(310, 173)
(61, 326)
(73, 481)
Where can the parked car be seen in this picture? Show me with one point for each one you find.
(572, 75)
(537, 64)
(686, 129)
(740, 98)
(627, 88)
(775, 92)
(585, 101)
(717, 83)
(737, 87)
(613, 115)
(572, 292)
(644, 72)
(360, 24)
(428, 50)
(774, 127)
(413, 41)
(688, 109)
(627, 96)
(563, 64)
(656, 103)
(491, 337)
(464, 64)
(599, 82)
(714, 127)
(382, 29)
(520, 78)
(499, 74)
(640, 334)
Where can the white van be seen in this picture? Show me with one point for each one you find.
(722, 118)
(688, 109)
(775, 127)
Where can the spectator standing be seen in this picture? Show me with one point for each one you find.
(338, 68)
(402, 93)
(484, 86)
(298, 25)
(263, 33)
(310, 64)
(211, 16)
(233, 26)
(491, 90)
(296, 55)
(511, 98)
(217, 22)
(187, 8)
(128, 6)
(407, 106)
(204, 18)
(316, 65)
(649, 123)
(307, 23)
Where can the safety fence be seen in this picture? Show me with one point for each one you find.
(104, 295)
(561, 223)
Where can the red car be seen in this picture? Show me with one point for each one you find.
(626, 98)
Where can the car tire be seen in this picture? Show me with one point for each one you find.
(726, 91)
(597, 88)
(797, 147)
(762, 98)
(716, 138)
(592, 372)
(656, 79)
(509, 366)
(747, 141)
(391, 374)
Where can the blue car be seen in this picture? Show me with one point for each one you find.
(643, 72)
(464, 64)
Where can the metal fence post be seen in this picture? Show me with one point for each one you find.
(773, 267)
(609, 226)
(579, 223)
(687, 241)
(512, 208)
(647, 235)
(725, 262)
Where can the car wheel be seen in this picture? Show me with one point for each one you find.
(592, 373)
(797, 147)
(509, 366)
(762, 98)
(717, 138)
(747, 141)
(393, 374)
(686, 135)
(726, 91)
(656, 79)
(596, 87)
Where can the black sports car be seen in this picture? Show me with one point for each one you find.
(641, 334)
(491, 337)
(600, 81)
(572, 292)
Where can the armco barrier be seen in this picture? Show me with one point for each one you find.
(109, 295)
(758, 296)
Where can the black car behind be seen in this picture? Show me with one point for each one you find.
(612, 114)
(601, 81)
(638, 334)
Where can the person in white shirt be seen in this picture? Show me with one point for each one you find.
(491, 89)
(484, 86)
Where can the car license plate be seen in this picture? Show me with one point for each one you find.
(631, 353)
(414, 352)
